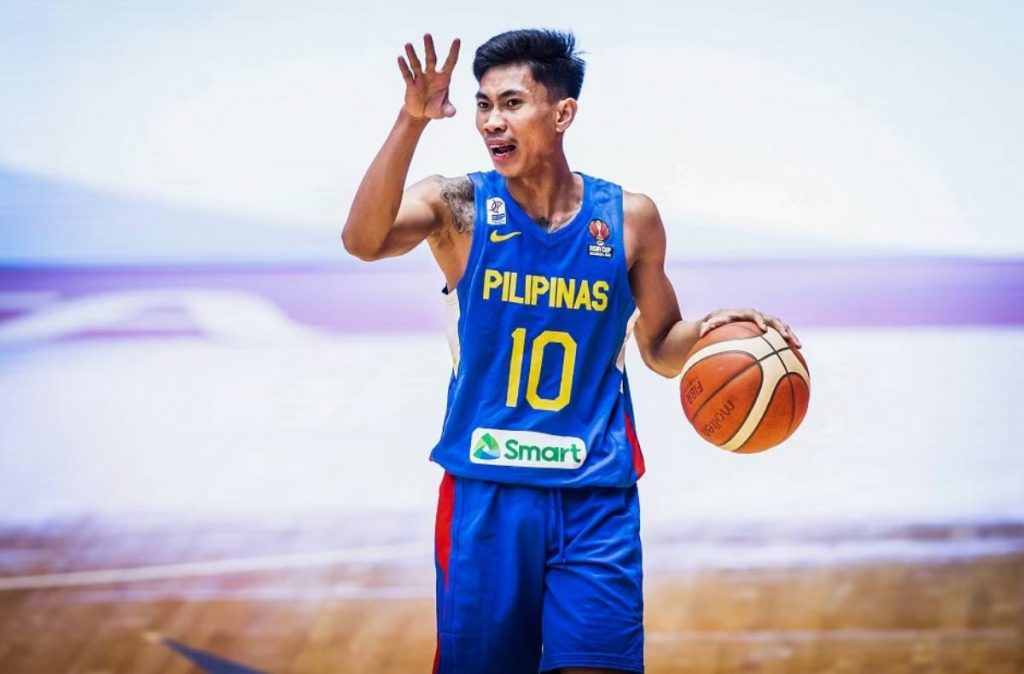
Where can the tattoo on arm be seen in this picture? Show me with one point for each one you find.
(457, 194)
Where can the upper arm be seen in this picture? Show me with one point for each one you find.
(419, 216)
(654, 294)
(431, 208)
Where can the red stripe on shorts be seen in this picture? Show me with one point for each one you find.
(634, 442)
(443, 525)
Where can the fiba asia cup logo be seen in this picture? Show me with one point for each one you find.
(496, 211)
(599, 230)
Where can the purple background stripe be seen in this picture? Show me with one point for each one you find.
(904, 291)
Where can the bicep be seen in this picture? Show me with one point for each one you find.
(652, 289)
(419, 216)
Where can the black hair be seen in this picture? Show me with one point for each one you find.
(551, 55)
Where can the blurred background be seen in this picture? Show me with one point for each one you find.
(214, 424)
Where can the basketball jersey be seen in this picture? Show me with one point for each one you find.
(537, 329)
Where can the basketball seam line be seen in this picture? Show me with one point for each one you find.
(775, 393)
(711, 395)
(792, 393)
(757, 361)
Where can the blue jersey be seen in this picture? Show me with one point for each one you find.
(538, 393)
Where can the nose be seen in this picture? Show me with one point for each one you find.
(493, 121)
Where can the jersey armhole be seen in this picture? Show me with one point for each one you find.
(620, 234)
(476, 242)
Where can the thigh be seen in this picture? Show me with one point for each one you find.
(490, 578)
(593, 607)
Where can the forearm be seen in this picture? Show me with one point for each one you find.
(379, 196)
(667, 354)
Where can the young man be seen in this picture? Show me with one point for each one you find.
(546, 270)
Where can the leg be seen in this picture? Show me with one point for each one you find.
(490, 579)
(593, 608)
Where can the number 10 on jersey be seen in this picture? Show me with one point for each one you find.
(538, 351)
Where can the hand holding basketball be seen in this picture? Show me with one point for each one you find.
(426, 89)
(764, 321)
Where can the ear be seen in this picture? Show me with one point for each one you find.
(565, 113)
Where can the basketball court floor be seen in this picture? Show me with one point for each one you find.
(260, 500)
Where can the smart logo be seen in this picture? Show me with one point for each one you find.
(486, 448)
(526, 449)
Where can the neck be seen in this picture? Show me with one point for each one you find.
(551, 194)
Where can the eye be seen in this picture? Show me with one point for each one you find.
(482, 105)
(514, 102)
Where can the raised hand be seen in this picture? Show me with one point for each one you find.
(426, 90)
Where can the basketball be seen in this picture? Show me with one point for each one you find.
(744, 390)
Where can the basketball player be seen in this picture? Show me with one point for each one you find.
(546, 270)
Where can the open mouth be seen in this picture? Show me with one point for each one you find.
(502, 150)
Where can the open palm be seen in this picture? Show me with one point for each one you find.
(426, 89)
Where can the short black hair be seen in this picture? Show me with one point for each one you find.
(551, 55)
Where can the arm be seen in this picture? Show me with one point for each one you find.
(383, 221)
(662, 335)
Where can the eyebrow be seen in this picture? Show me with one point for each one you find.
(504, 94)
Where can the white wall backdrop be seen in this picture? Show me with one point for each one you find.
(893, 126)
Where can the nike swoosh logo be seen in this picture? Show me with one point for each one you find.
(498, 238)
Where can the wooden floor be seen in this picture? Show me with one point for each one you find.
(91, 597)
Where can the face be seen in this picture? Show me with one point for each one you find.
(520, 124)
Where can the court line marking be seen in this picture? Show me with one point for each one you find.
(798, 554)
(776, 636)
(266, 595)
(214, 568)
(686, 556)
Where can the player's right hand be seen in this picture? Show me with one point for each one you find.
(426, 90)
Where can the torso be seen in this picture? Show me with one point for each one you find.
(539, 319)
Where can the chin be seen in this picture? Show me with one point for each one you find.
(509, 170)
(512, 167)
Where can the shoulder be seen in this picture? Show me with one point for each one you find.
(639, 209)
(641, 220)
(451, 198)
(443, 188)
(455, 189)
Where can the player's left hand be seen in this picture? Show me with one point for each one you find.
(763, 321)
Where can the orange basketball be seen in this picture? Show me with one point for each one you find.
(744, 390)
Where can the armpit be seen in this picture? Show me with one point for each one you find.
(457, 194)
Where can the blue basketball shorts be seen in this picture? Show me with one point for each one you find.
(534, 579)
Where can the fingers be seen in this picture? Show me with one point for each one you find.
(430, 56)
(406, 73)
(716, 322)
(719, 318)
(453, 56)
(712, 321)
(783, 329)
(779, 326)
(414, 60)
(428, 52)
(758, 319)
